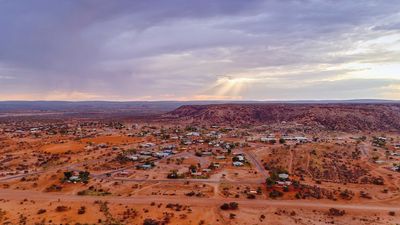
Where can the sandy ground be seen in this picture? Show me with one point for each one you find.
(28, 203)
(31, 164)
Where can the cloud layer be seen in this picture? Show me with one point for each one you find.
(183, 49)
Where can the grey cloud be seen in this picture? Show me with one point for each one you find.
(135, 48)
(388, 27)
(340, 89)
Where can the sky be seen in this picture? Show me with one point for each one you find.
(128, 50)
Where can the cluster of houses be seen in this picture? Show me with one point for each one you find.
(272, 139)
(283, 179)
(149, 153)
(299, 139)
(238, 160)
(396, 168)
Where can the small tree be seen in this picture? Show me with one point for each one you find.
(275, 194)
(84, 176)
(68, 175)
(233, 205)
(286, 189)
(150, 222)
(270, 182)
(82, 210)
(336, 212)
(225, 206)
(173, 174)
(192, 168)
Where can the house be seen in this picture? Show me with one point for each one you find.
(161, 154)
(168, 147)
(216, 165)
(146, 153)
(214, 134)
(144, 157)
(187, 142)
(74, 179)
(225, 151)
(147, 145)
(237, 163)
(379, 161)
(193, 134)
(168, 151)
(133, 157)
(395, 154)
(206, 153)
(284, 183)
(288, 138)
(123, 173)
(301, 139)
(197, 173)
(102, 145)
(34, 130)
(283, 176)
(240, 158)
(267, 139)
(228, 146)
(144, 166)
(251, 139)
(396, 168)
(220, 157)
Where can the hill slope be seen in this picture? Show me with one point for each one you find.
(343, 117)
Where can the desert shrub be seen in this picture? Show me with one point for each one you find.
(275, 194)
(41, 211)
(82, 210)
(286, 189)
(336, 212)
(225, 206)
(270, 182)
(94, 192)
(174, 175)
(233, 205)
(229, 206)
(84, 176)
(150, 222)
(53, 187)
(346, 194)
(251, 196)
(378, 181)
(61, 208)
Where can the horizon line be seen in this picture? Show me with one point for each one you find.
(213, 100)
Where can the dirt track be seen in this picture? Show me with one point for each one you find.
(18, 195)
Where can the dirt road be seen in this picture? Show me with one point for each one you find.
(250, 155)
(19, 195)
